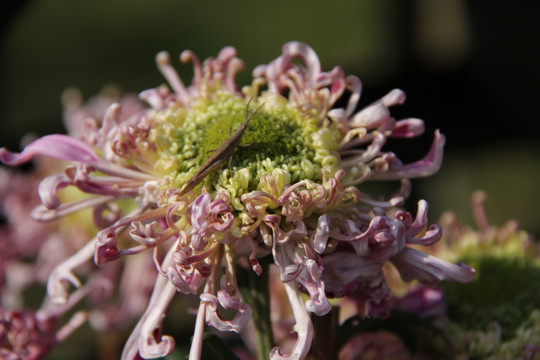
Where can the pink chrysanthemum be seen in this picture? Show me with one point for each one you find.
(30, 250)
(289, 190)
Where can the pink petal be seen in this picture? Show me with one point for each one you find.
(241, 318)
(57, 146)
(427, 166)
(303, 326)
(428, 269)
(423, 300)
(320, 236)
(408, 128)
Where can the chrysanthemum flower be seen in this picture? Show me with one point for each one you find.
(497, 317)
(290, 189)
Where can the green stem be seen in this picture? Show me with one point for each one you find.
(256, 293)
(325, 336)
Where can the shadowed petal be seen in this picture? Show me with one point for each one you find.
(414, 264)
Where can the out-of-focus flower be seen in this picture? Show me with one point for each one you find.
(497, 317)
(411, 332)
(289, 190)
(89, 122)
(373, 346)
(20, 235)
(84, 119)
(31, 335)
(30, 250)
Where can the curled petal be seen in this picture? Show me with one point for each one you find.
(291, 272)
(254, 262)
(198, 210)
(145, 233)
(106, 214)
(42, 213)
(479, 212)
(421, 168)
(234, 66)
(106, 247)
(63, 273)
(282, 236)
(74, 322)
(394, 97)
(152, 348)
(303, 326)
(114, 187)
(186, 279)
(241, 318)
(408, 128)
(225, 55)
(187, 257)
(320, 236)
(376, 224)
(273, 184)
(146, 338)
(163, 62)
(433, 234)
(257, 202)
(219, 212)
(302, 51)
(188, 55)
(311, 280)
(364, 156)
(155, 97)
(370, 117)
(421, 219)
(414, 264)
(339, 117)
(343, 271)
(355, 85)
(49, 187)
(57, 146)
(397, 200)
(423, 300)
(336, 79)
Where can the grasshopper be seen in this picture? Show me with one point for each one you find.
(222, 153)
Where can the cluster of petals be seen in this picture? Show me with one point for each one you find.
(31, 333)
(328, 239)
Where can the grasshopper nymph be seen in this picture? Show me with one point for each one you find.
(222, 153)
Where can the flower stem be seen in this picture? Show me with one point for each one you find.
(256, 293)
(325, 342)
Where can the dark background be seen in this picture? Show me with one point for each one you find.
(468, 68)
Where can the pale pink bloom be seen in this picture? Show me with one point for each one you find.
(327, 238)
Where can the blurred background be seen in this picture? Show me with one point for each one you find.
(471, 69)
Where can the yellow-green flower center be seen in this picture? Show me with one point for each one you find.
(278, 136)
